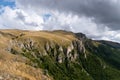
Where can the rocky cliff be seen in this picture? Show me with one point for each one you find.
(58, 55)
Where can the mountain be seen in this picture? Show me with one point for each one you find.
(56, 55)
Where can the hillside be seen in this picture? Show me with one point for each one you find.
(56, 55)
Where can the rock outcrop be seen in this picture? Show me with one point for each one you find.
(37, 55)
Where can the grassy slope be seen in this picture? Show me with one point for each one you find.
(109, 56)
(60, 37)
(15, 65)
(102, 61)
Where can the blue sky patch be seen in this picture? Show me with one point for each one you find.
(7, 3)
(46, 16)
(1, 10)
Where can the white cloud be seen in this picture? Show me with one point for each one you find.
(11, 19)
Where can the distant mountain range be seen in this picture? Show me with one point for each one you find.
(57, 55)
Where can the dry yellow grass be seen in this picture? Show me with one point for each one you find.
(16, 64)
(60, 37)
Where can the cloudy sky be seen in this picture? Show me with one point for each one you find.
(98, 19)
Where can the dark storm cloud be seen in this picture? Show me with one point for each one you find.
(103, 11)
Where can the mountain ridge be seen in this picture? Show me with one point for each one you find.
(60, 53)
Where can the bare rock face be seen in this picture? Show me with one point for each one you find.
(49, 48)
(60, 58)
(60, 53)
